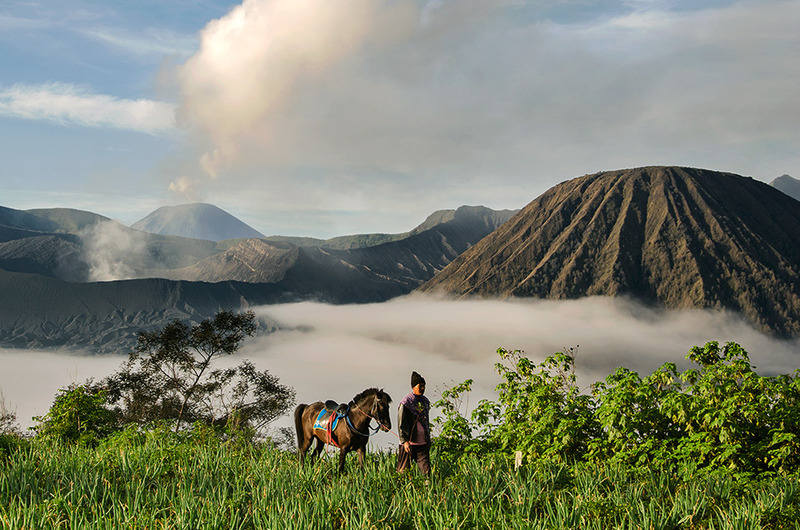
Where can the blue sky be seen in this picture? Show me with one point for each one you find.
(328, 117)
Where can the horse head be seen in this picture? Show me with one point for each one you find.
(375, 404)
(382, 414)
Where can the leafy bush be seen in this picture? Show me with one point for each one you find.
(719, 415)
(540, 410)
(11, 438)
(78, 415)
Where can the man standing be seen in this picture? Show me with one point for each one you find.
(415, 433)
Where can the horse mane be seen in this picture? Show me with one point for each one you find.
(382, 396)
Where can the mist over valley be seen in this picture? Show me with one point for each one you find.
(328, 351)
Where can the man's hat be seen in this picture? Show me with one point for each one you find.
(416, 379)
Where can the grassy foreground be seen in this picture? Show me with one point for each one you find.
(157, 481)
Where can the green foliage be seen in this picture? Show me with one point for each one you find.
(78, 416)
(456, 438)
(540, 410)
(11, 438)
(718, 415)
(170, 377)
(721, 415)
(11, 443)
(634, 427)
(163, 479)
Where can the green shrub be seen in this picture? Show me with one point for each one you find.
(78, 415)
(718, 415)
(540, 411)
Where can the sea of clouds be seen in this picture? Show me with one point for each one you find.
(333, 352)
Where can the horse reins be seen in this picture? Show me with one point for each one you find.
(379, 422)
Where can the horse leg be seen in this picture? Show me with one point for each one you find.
(342, 456)
(317, 449)
(361, 452)
(303, 448)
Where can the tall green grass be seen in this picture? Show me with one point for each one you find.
(159, 481)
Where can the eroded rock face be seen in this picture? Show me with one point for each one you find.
(678, 237)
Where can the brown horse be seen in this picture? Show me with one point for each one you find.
(351, 431)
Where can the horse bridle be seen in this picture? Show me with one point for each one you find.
(370, 416)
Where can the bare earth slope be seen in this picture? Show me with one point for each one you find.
(678, 237)
(105, 317)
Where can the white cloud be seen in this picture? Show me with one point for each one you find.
(384, 97)
(148, 42)
(252, 62)
(70, 105)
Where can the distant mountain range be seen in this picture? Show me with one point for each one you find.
(671, 236)
(676, 237)
(50, 261)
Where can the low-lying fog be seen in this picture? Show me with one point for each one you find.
(334, 352)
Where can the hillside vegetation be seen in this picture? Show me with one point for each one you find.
(145, 481)
(715, 446)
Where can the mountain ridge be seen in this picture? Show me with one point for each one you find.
(174, 277)
(411, 257)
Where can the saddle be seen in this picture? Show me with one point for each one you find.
(328, 418)
(339, 408)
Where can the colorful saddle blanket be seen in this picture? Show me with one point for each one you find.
(327, 421)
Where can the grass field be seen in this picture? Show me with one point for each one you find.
(160, 481)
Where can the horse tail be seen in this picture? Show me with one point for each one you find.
(298, 423)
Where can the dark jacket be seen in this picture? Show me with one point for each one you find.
(413, 409)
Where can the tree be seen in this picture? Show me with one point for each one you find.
(11, 438)
(170, 376)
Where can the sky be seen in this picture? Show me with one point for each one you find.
(331, 117)
(334, 352)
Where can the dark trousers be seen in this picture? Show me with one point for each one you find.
(421, 454)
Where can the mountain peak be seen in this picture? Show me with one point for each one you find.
(198, 221)
(465, 213)
(678, 237)
(788, 185)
